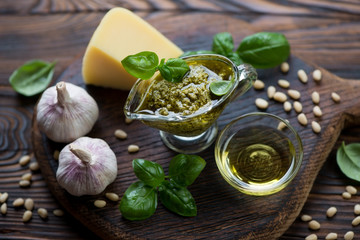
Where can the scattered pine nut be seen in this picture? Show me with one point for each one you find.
(112, 196)
(58, 212)
(261, 103)
(356, 221)
(121, 134)
(331, 212)
(43, 213)
(317, 111)
(24, 160)
(331, 236)
(349, 235)
(297, 106)
(4, 197)
(335, 97)
(351, 189)
(315, 97)
(357, 209)
(346, 195)
(302, 76)
(315, 127)
(99, 203)
(3, 209)
(18, 202)
(306, 218)
(281, 126)
(29, 204)
(56, 154)
(259, 85)
(271, 92)
(287, 106)
(34, 166)
(317, 75)
(311, 237)
(24, 183)
(302, 119)
(294, 94)
(280, 97)
(284, 67)
(283, 83)
(133, 148)
(27, 216)
(26, 176)
(314, 225)
(128, 120)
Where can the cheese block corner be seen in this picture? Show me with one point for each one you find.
(119, 34)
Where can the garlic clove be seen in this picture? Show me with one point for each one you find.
(86, 166)
(66, 112)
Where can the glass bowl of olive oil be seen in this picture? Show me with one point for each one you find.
(258, 153)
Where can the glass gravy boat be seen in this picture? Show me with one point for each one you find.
(194, 132)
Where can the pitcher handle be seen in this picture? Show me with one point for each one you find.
(247, 76)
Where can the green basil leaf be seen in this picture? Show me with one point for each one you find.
(141, 65)
(264, 49)
(189, 53)
(184, 169)
(235, 58)
(139, 201)
(223, 43)
(346, 165)
(220, 88)
(32, 78)
(177, 199)
(352, 151)
(150, 173)
(174, 69)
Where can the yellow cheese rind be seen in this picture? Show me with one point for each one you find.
(119, 34)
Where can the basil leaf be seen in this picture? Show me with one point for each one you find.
(150, 173)
(264, 49)
(32, 78)
(189, 53)
(184, 169)
(139, 202)
(346, 165)
(352, 151)
(220, 88)
(177, 199)
(174, 69)
(141, 65)
(235, 58)
(223, 43)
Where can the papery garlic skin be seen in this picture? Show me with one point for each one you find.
(66, 112)
(87, 178)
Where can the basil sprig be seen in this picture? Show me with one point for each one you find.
(32, 78)
(140, 199)
(144, 64)
(347, 157)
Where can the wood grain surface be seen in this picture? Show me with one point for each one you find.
(326, 33)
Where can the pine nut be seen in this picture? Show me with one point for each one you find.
(99, 203)
(29, 204)
(331, 212)
(315, 127)
(349, 235)
(346, 195)
(58, 212)
(121, 134)
(27, 216)
(287, 106)
(331, 236)
(280, 97)
(261, 103)
(335, 97)
(259, 85)
(24, 160)
(284, 67)
(271, 92)
(315, 97)
(351, 189)
(18, 202)
(311, 237)
(56, 154)
(317, 75)
(306, 218)
(112, 197)
(281, 126)
(298, 106)
(357, 209)
(356, 221)
(43, 213)
(34, 166)
(3, 208)
(302, 76)
(133, 148)
(26, 176)
(24, 183)
(302, 119)
(283, 83)
(314, 225)
(294, 94)
(128, 120)
(317, 111)
(4, 197)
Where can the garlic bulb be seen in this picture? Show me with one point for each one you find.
(66, 112)
(86, 166)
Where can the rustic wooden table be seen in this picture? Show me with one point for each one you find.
(326, 33)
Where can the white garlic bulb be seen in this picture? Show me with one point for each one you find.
(66, 112)
(86, 166)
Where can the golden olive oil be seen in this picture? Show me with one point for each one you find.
(259, 156)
